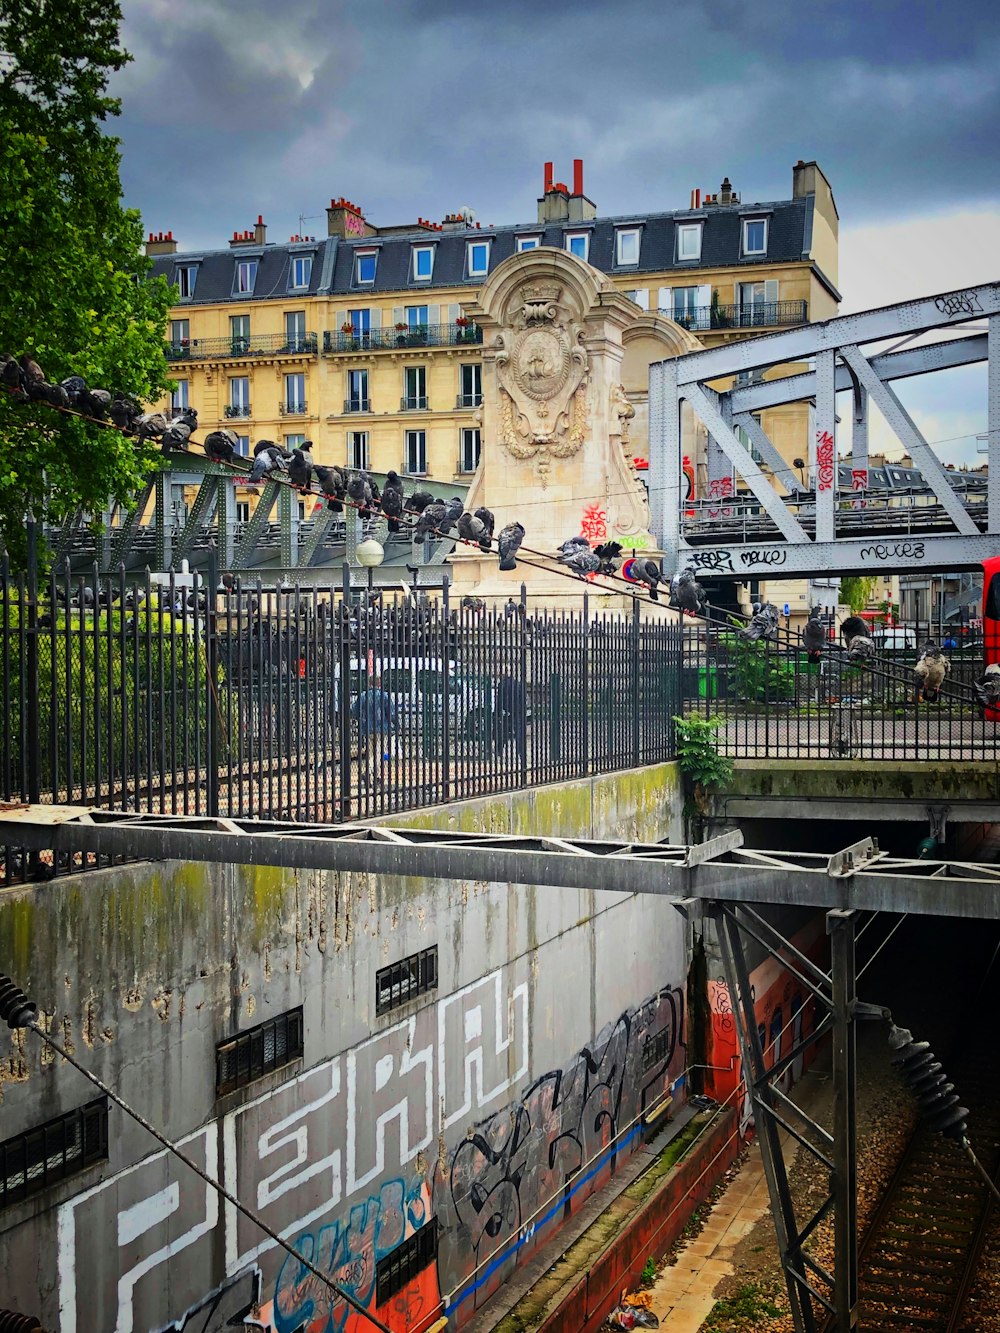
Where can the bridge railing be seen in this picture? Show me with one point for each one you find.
(772, 702)
(163, 697)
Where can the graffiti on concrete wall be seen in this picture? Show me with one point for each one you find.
(428, 1117)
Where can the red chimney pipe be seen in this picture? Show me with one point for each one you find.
(548, 177)
(578, 175)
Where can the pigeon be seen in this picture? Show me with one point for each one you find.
(33, 373)
(988, 689)
(123, 411)
(648, 572)
(12, 378)
(151, 425)
(264, 463)
(94, 403)
(300, 467)
(452, 513)
(581, 560)
(474, 604)
(179, 430)
(509, 540)
(418, 502)
(221, 445)
(763, 624)
(431, 516)
(573, 544)
(392, 500)
(929, 673)
(331, 482)
(814, 636)
(861, 649)
(261, 445)
(485, 517)
(852, 627)
(686, 593)
(359, 491)
(473, 529)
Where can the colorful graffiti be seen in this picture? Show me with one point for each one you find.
(824, 460)
(594, 524)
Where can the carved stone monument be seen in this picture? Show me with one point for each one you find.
(555, 418)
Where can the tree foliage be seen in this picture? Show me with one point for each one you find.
(857, 591)
(75, 293)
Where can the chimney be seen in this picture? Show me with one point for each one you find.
(260, 231)
(346, 220)
(162, 243)
(548, 178)
(241, 238)
(581, 209)
(696, 198)
(554, 203)
(725, 192)
(577, 175)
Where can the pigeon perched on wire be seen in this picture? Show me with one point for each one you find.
(686, 593)
(261, 445)
(151, 425)
(359, 492)
(94, 403)
(988, 689)
(179, 430)
(649, 573)
(452, 513)
(485, 517)
(431, 517)
(473, 529)
(763, 623)
(265, 463)
(392, 500)
(418, 502)
(508, 542)
(861, 649)
(300, 467)
(814, 636)
(124, 412)
(852, 627)
(930, 672)
(581, 560)
(333, 485)
(221, 445)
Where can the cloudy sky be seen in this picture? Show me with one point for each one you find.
(418, 107)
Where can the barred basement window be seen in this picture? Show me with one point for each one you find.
(404, 1263)
(255, 1052)
(32, 1161)
(404, 980)
(654, 1050)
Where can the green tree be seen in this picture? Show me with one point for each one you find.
(857, 591)
(75, 292)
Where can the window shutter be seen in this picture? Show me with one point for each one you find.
(771, 290)
(666, 300)
(704, 297)
(454, 311)
(397, 314)
(375, 318)
(433, 314)
(339, 316)
(642, 298)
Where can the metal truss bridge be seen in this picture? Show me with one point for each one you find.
(848, 517)
(720, 880)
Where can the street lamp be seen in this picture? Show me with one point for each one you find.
(370, 555)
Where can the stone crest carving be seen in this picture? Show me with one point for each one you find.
(542, 372)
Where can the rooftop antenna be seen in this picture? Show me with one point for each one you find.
(304, 218)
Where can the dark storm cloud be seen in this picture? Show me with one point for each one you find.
(421, 106)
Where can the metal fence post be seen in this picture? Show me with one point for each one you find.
(212, 736)
(636, 682)
(446, 637)
(33, 793)
(585, 765)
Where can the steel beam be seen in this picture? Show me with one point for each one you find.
(824, 426)
(993, 424)
(247, 545)
(321, 523)
(201, 512)
(891, 884)
(780, 469)
(840, 927)
(769, 558)
(288, 517)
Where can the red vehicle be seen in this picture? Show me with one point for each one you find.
(991, 620)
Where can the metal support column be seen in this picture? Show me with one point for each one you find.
(288, 517)
(993, 425)
(225, 517)
(840, 927)
(164, 534)
(665, 451)
(825, 445)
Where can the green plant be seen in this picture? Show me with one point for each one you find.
(750, 1303)
(648, 1274)
(759, 674)
(699, 757)
(858, 590)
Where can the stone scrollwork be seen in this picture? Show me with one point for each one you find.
(622, 411)
(542, 370)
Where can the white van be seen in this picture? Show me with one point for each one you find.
(898, 637)
(416, 686)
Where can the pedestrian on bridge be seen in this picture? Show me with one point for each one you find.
(378, 723)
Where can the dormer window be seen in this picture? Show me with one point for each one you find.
(246, 276)
(755, 236)
(186, 277)
(578, 244)
(365, 263)
(528, 243)
(477, 259)
(302, 266)
(688, 241)
(423, 263)
(627, 246)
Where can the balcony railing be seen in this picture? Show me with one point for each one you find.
(263, 344)
(469, 400)
(292, 409)
(357, 404)
(760, 315)
(237, 409)
(412, 404)
(389, 339)
(466, 465)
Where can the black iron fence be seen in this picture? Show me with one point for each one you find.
(295, 704)
(773, 703)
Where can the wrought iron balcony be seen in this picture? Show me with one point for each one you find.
(357, 404)
(389, 339)
(759, 315)
(469, 400)
(466, 466)
(412, 404)
(237, 409)
(262, 344)
(292, 409)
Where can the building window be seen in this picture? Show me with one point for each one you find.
(578, 244)
(416, 318)
(414, 389)
(239, 333)
(689, 240)
(243, 445)
(471, 394)
(246, 276)
(413, 976)
(295, 330)
(357, 450)
(468, 459)
(239, 397)
(406, 1261)
(528, 243)
(179, 396)
(295, 393)
(361, 325)
(242, 511)
(755, 236)
(758, 301)
(357, 391)
(180, 333)
(186, 277)
(627, 246)
(294, 441)
(302, 267)
(416, 453)
(477, 259)
(365, 264)
(640, 297)
(423, 263)
(655, 1050)
(257, 1051)
(39, 1157)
